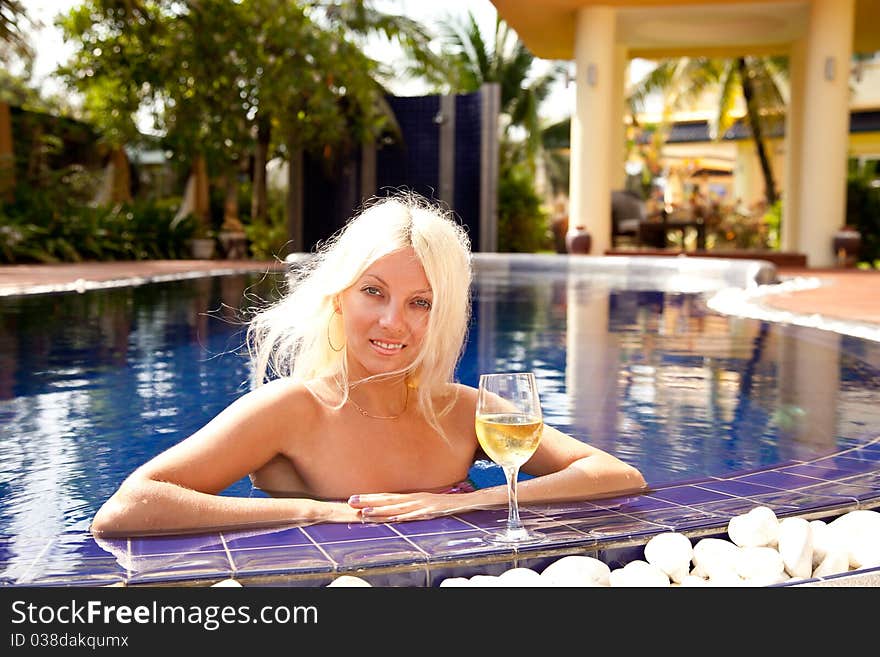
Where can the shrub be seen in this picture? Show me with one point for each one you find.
(522, 222)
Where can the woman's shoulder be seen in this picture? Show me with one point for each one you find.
(283, 394)
(461, 399)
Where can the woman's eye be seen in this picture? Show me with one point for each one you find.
(372, 290)
(423, 303)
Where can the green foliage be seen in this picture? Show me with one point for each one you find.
(863, 210)
(522, 221)
(55, 224)
(267, 238)
(773, 222)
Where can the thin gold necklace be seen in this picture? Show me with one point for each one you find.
(382, 417)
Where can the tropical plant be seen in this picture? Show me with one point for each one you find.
(472, 61)
(863, 209)
(756, 81)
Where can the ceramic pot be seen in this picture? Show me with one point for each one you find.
(202, 248)
(578, 241)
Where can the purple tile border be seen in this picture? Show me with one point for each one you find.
(423, 553)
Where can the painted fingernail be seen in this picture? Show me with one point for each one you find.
(354, 499)
(367, 510)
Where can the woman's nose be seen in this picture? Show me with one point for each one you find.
(392, 318)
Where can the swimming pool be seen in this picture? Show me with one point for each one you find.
(628, 355)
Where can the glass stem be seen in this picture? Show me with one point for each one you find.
(513, 521)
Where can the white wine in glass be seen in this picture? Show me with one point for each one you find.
(509, 425)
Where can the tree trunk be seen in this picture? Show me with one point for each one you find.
(757, 132)
(202, 208)
(231, 222)
(195, 198)
(7, 155)
(259, 196)
(116, 184)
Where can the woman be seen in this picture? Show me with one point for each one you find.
(353, 415)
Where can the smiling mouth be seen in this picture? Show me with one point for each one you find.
(389, 346)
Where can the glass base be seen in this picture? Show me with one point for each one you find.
(519, 536)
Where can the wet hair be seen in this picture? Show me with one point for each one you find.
(292, 337)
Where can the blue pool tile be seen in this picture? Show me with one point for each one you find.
(778, 479)
(798, 502)
(727, 509)
(468, 544)
(688, 495)
(280, 560)
(445, 524)
(86, 572)
(338, 531)
(180, 567)
(158, 545)
(487, 518)
(572, 514)
(680, 518)
(646, 503)
(849, 465)
(372, 553)
(615, 526)
(736, 488)
(281, 537)
(554, 509)
(825, 472)
(438, 572)
(841, 489)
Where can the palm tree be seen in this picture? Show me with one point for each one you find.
(472, 62)
(757, 81)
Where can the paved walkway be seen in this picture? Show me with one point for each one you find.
(847, 294)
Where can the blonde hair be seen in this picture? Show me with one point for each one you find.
(292, 337)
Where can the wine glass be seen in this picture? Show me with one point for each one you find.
(509, 426)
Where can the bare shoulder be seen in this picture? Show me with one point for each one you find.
(280, 398)
(465, 399)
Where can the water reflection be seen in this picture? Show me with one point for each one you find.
(670, 386)
(93, 385)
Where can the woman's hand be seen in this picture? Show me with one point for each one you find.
(393, 507)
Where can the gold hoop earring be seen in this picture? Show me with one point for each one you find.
(329, 341)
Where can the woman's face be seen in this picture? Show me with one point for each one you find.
(385, 314)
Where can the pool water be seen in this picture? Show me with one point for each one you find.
(94, 384)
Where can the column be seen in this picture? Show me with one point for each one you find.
(593, 125)
(794, 127)
(446, 164)
(490, 107)
(824, 130)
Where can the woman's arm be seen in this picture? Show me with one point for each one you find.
(177, 491)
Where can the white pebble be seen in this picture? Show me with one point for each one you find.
(349, 580)
(671, 552)
(760, 563)
(484, 580)
(638, 573)
(520, 577)
(796, 547)
(757, 528)
(714, 557)
(455, 581)
(576, 570)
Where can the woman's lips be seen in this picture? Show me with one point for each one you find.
(388, 348)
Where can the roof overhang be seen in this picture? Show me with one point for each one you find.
(657, 29)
